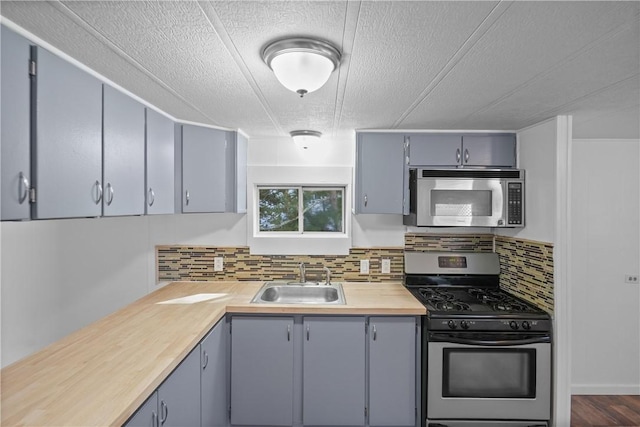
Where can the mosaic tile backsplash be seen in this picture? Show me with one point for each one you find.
(526, 266)
(526, 270)
(196, 263)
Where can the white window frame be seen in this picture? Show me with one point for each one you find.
(295, 243)
(301, 189)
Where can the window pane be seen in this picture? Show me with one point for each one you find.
(278, 209)
(323, 210)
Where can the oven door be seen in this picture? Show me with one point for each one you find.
(486, 378)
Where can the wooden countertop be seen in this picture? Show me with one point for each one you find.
(102, 373)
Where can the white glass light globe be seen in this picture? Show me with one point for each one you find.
(302, 72)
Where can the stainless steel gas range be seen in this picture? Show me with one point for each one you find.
(486, 354)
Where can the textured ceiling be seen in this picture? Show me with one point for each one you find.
(406, 65)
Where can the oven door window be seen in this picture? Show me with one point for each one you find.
(489, 373)
(461, 203)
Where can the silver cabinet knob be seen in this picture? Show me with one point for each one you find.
(110, 194)
(98, 187)
(24, 191)
(151, 197)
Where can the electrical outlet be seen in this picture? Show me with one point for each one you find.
(631, 278)
(218, 263)
(386, 266)
(364, 266)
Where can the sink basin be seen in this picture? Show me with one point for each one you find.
(300, 293)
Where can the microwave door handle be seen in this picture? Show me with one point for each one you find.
(496, 343)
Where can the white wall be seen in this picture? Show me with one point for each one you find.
(60, 275)
(606, 246)
(543, 153)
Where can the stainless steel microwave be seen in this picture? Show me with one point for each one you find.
(466, 198)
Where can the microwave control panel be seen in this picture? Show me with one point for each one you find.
(515, 200)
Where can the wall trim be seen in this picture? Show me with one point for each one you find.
(606, 389)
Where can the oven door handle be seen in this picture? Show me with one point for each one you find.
(501, 343)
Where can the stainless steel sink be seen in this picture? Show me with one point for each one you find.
(300, 293)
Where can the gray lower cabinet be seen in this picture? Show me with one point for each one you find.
(334, 371)
(379, 173)
(146, 415)
(393, 380)
(176, 402)
(123, 154)
(179, 395)
(262, 377)
(14, 126)
(160, 163)
(67, 168)
(213, 380)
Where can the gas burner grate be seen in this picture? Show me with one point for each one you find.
(510, 306)
(435, 295)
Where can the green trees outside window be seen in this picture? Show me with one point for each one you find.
(301, 209)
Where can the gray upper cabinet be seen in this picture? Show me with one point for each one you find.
(67, 157)
(334, 371)
(455, 150)
(160, 163)
(262, 371)
(489, 150)
(213, 362)
(14, 126)
(392, 371)
(179, 395)
(379, 175)
(214, 169)
(123, 154)
(203, 169)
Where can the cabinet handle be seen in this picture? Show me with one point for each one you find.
(458, 155)
(375, 333)
(466, 155)
(288, 332)
(164, 412)
(365, 200)
(307, 332)
(110, 192)
(154, 419)
(98, 192)
(206, 360)
(24, 182)
(151, 197)
(187, 197)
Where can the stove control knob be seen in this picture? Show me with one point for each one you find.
(526, 326)
(452, 324)
(513, 324)
(464, 324)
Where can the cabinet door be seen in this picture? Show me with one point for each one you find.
(435, 150)
(392, 371)
(160, 164)
(334, 371)
(203, 169)
(146, 415)
(262, 371)
(14, 126)
(123, 154)
(379, 186)
(213, 359)
(68, 141)
(491, 150)
(179, 395)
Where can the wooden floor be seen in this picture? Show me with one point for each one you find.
(601, 411)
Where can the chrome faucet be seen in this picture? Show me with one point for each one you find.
(328, 272)
(303, 276)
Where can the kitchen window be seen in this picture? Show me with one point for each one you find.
(301, 210)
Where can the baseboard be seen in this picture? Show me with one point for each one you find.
(605, 389)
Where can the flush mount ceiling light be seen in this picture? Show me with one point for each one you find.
(302, 65)
(305, 137)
